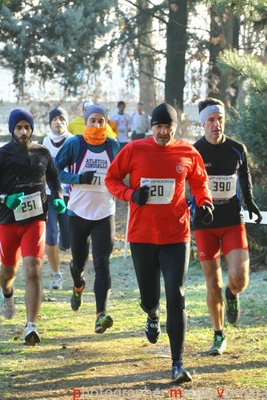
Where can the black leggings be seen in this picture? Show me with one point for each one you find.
(172, 260)
(102, 234)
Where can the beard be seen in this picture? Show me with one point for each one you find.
(22, 144)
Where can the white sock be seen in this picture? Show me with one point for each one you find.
(31, 325)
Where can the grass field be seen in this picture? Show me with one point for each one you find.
(73, 362)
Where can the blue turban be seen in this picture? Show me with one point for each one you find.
(19, 114)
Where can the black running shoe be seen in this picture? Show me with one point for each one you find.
(102, 323)
(232, 309)
(77, 298)
(179, 374)
(152, 330)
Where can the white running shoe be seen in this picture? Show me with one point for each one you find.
(7, 307)
(57, 281)
(31, 336)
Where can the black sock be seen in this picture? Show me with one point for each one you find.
(176, 360)
(218, 333)
(8, 296)
(153, 314)
(229, 294)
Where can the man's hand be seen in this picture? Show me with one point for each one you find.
(87, 177)
(140, 196)
(14, 201)
(206, 213)
(253, 209)
(59, 206)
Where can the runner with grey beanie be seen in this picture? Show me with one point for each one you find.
(95, 108)
(91, 209)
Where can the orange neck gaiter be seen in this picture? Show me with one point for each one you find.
(94, 136)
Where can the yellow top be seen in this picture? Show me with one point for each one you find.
(77, 125)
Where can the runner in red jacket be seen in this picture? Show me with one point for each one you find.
(159, 223)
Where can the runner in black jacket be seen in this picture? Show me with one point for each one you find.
(230, 183)
(25, 167)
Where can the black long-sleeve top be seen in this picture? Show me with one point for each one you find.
(27, 169)
(227, 167)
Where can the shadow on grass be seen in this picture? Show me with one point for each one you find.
(69, 377)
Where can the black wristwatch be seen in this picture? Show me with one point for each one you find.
(3, 198)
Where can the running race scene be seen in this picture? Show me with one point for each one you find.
(133, 206)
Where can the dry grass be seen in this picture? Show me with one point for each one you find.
(74, 362)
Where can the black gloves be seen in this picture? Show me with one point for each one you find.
(87, 177)
(253, 208)
(140, 196)
(206, 213)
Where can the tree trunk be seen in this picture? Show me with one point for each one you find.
(224, 33)
(176, 47)
(146, 57)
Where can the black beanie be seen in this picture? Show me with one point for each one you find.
(58, 112)
(164, 114)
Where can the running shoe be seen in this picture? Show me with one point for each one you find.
(62, 248)
(152, 330)
(219, 346)
(77, 298)
(232, 309)
(7, 306)
(57, 281)
(102, 323)
(31, 336)
(179, 374)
